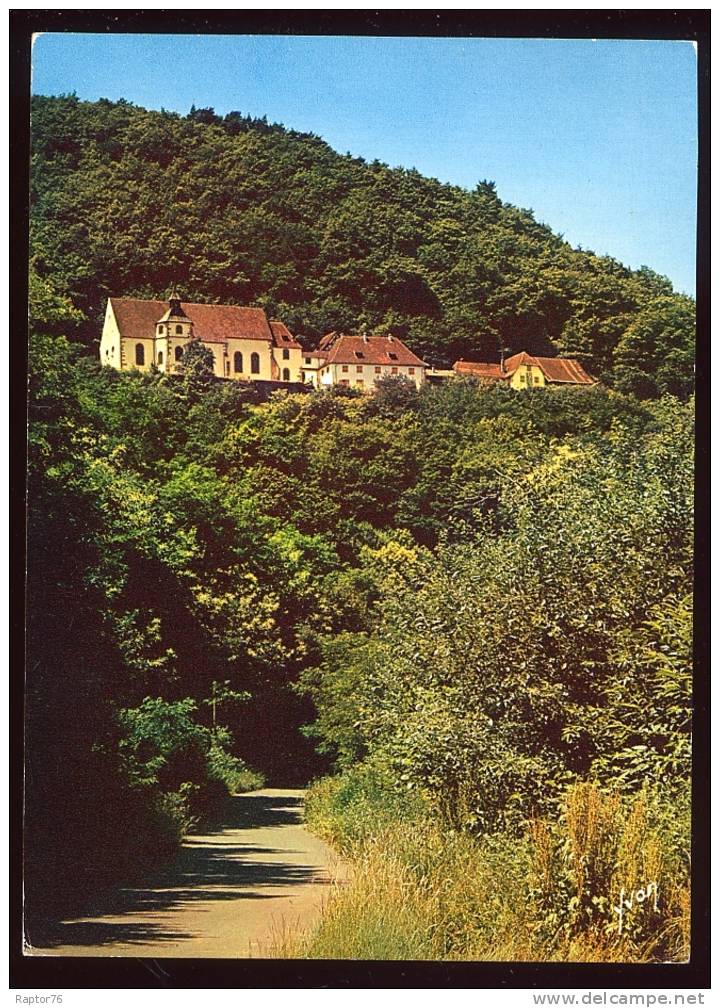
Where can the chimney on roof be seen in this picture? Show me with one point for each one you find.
(391, 339)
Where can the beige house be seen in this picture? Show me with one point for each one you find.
(358, 361)
(523, 371)
(244, 342)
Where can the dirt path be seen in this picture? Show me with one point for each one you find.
(229, 894)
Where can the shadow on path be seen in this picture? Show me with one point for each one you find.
(259, 811)
(215, 866)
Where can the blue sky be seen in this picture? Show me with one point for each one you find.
(599, 139)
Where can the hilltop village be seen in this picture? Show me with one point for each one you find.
(247, 346)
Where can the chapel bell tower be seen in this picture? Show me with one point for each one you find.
(174, 323)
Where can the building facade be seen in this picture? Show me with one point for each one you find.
(359, 361)
(524, 371)
(245, 344)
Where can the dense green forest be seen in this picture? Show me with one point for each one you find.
(127, 201)
(473, 605)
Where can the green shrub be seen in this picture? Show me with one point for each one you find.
(421, 890)
(587, 871)
(185, 766)
(167, 825)
(350, 809)
(233, 772)
(552, 643)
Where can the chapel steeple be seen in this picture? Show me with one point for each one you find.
(174, 322)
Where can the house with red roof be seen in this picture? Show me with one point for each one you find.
(245, 344)
(359, 361)
(142, 334)
(525, 371)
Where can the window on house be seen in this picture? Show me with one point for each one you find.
(391, 355)
(344, 367)
(178, 330)
(237, 362)
(359, 368)
(178, 353)
(286, 374)
(161, 329)
(107, 352)
(160, 357)
(308, 361)
(286, 354)
(227, 367)
(394, 370)
(359, 354)
(522, 378)
(139, 353)
(411, 370)
(537, 379)
(360, 383)
(378, 370)
(344, 381)
(255, 363)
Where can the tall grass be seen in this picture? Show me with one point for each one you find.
(421, 890)
(357, 806)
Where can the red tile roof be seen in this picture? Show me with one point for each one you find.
(282, 337)
(514, 362)
(368, 350)
(479, 369)
(213, 323)
(555, 369)
(562, 370)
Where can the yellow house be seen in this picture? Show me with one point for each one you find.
(359, 361)
(524, 371)
(140, 334)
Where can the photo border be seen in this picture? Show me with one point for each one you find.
(124, 973)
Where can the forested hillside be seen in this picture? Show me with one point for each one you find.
(127, 201)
